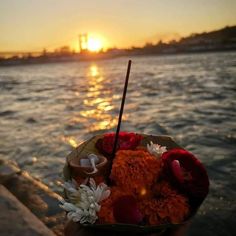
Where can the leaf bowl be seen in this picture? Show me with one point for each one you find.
(89, 146)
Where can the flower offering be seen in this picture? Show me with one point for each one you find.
(150, 182)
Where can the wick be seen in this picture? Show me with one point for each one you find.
(121, 109)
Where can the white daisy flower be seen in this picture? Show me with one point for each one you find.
(84, 200)
(156, 149)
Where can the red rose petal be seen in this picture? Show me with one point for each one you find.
(125, 210)
(177, 170)
(126, 141)
(190, 175)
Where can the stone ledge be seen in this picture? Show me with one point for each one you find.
(16, 219)
(36, 196)
(7, 170)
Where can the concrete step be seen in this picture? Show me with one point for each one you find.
(36, 196)
(16, 219)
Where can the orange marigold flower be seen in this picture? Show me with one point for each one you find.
(135, 170)
(168, 207)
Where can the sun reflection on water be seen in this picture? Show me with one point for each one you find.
(93, 71)
(96, 108)
(70, 140)
(98, 101)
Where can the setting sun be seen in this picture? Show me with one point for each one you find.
(94, 44)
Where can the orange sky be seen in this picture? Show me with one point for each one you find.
(31, 25)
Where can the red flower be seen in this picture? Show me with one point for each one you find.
(125, 210)
(185, 170)
(126, 141)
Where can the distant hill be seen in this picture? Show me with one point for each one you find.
(225, 35)
(218, 40)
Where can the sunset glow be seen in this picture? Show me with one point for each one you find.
(94, 44)
(123, 24)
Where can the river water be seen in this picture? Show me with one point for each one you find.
(46, 110)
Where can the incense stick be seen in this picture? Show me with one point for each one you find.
(121, 109)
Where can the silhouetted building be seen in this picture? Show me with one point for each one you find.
(83, 42)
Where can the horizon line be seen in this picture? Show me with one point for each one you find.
(130, 47)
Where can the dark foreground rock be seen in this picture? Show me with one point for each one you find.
(16, 219)
(36, 196)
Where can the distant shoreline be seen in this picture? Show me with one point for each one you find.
(78, 58)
